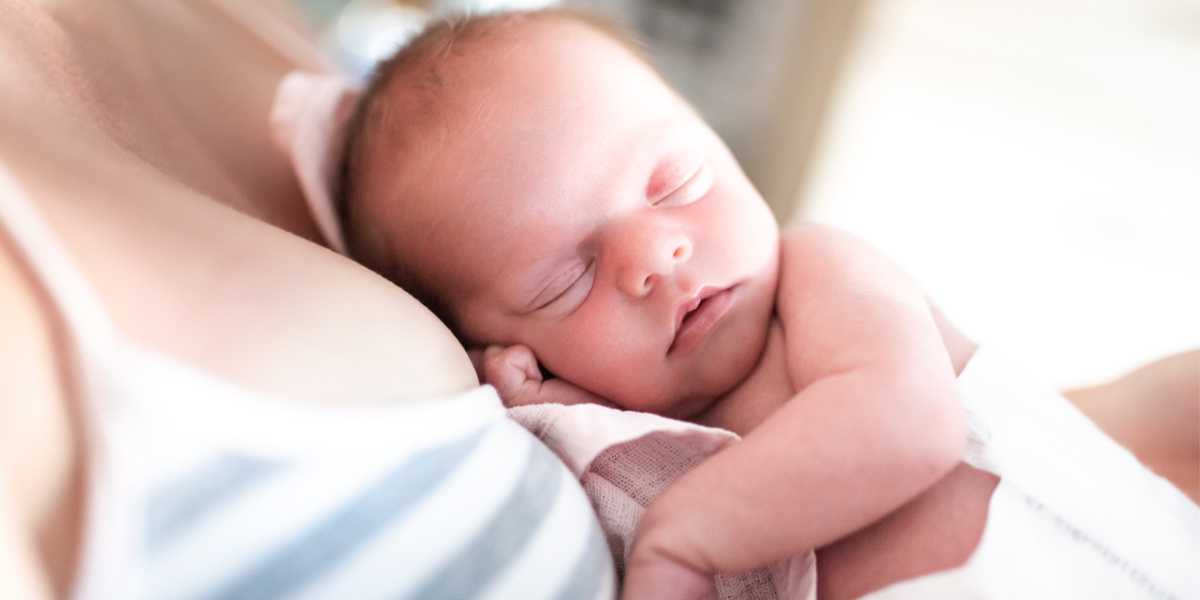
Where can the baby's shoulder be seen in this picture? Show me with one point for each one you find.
(810, 251)
(805, 251)
(813, 236)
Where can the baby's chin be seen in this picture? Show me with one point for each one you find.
(731, 357)
(696, 393)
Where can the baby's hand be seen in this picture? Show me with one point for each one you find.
(698, 528)
(666, 562)
(662, 577)
(514, 372)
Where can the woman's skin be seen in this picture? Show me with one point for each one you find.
(1154, 411)
(140, 131)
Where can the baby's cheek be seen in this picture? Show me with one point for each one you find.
(608, 347)
(590, 368)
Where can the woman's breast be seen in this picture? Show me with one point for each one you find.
(179, 272)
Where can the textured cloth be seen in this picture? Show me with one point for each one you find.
(308, 119)
(624, 459)
(199, 488)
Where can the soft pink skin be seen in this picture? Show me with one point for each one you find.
(589, 206)
(599, 173)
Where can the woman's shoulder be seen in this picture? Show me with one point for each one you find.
(150, 157)
(180, 272)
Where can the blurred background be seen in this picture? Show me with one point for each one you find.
(1034, 164)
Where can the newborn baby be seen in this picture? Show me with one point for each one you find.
(536, 184)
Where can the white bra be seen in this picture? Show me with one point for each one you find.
(199, 488)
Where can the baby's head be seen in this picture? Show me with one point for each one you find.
(534, 182)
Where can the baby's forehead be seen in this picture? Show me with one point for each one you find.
(455, 94)
(500, 151)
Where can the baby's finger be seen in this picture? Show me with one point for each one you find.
(521, 358)
(664, 579)
(506, 369)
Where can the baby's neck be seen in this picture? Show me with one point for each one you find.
(767, 387)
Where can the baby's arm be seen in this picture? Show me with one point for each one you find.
(877, 420)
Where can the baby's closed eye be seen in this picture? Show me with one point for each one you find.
(567, 291)
(685, 189)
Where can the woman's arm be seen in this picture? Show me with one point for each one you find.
(877, 421)
(1155, 413)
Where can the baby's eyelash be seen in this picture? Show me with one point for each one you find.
(561, 285)
(691, 189)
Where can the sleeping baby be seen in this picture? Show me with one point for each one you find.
(536, 184)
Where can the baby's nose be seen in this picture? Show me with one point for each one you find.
(647, 252)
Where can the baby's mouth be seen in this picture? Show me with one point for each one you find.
(697, 317)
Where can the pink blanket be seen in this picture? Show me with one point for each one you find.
(624, 459)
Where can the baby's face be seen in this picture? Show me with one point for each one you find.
(575, 205)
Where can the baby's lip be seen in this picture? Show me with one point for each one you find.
(697, 316)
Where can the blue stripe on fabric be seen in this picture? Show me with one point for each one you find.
(307, 557)
(503, 538)
(175, 506)
(591, 570)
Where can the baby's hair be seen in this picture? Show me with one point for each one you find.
(407, 92)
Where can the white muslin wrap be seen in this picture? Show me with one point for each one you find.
(1075, 515)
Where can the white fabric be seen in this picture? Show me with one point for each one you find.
(1075, 516)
